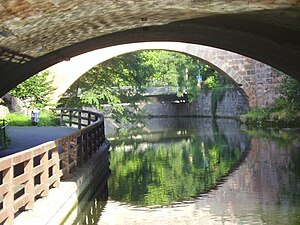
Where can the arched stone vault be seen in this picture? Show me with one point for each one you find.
(245, 72)
(36, 34)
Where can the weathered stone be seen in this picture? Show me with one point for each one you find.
(47, 32)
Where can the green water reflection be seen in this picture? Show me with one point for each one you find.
(170, 166)
(175, 159)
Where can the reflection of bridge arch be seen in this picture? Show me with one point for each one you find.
(245, 72)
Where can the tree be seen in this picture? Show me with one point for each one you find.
(164, 65)
(35, 91)
(182, 71)
(120, 78)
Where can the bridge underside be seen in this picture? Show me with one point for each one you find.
(37, 34)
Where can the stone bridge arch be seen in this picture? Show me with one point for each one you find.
(36, 34)
(257, 81)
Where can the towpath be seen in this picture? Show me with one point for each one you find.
(23, 138)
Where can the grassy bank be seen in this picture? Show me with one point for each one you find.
(47, 118)
(280, 118)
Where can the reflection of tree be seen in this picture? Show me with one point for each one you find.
(170, 172)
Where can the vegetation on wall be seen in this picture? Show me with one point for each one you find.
(217, 95)
(285, 111)
(290, 94)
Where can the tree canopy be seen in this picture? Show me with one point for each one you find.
(124, 78)
(35, 91)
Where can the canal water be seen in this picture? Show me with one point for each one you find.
(199, 171)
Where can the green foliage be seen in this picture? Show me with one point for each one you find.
(175, 69)
(35, 90)
(16, 119)
(217, 96)
(210, 82)
(286, 109)
(120, 78)
(165, 67)
(273, 117)
(47, 118)
(290, 92)
(280, 103)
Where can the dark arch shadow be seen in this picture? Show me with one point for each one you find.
(246, 33)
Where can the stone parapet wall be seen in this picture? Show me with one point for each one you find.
(232, 105)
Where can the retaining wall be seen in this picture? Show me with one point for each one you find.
(232, 105)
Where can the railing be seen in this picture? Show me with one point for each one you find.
(28, 175)
(3, 134)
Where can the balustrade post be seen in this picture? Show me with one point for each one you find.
(89, 118)
(45, 174)
(102, 132)
(1, 145)
(56, 169)
(94, 136)
(61, 117)
(65, 160)
(73, 152)
(8, 198)
(79, 150)
(85, 146)
(97, 137)
(29, 186)
(79, 120)
(89, 139)
(70, 118)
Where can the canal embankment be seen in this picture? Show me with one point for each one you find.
(271, 117)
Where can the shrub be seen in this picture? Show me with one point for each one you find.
(47, 118)
(290, 91)
(16, 119)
